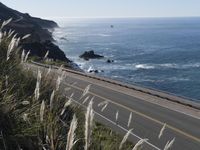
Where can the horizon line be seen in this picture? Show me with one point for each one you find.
(118, 17)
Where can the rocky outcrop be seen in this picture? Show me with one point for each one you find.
(110, 61)
(95, 71)
(40, 49)
(41, 38)
(90, 55)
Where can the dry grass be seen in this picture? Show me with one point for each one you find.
(34, 115)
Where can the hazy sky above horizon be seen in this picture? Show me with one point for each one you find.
(106, 8)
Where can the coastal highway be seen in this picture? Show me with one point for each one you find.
(150, 109)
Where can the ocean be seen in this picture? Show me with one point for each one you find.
(160, 53)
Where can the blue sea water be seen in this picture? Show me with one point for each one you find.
(161, 53)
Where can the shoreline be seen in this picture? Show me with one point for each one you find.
(172, 83)
(146, 90)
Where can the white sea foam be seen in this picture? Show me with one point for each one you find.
(115, 76)
(114, 43)
(144, 66)
(90, 69)
(115, 67)
(181, 66)
(167, 66)
(177, 79)
(104, 35)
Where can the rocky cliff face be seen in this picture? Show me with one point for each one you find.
(40, 49)
(41, 38)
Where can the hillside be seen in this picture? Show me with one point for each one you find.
(34, 113)
(41, 39)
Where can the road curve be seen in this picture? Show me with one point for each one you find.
(150, 109)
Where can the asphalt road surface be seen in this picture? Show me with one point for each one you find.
(149, 111)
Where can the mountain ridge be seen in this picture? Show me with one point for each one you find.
(6, 13)
(41, 39)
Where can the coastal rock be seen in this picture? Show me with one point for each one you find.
(91, 70)
(110, 61)
(95, 71)
(64, 39)
(90, 55)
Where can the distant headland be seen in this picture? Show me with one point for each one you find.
(41, 39)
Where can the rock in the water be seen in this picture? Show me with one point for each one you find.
(63, 38)
(95, 71)
(90, 55)
(91, 70)
(110, 61)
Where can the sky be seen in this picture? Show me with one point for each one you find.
(106, 8)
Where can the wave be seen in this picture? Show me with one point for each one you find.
(167, 66)
(176, 79)
(118, 65)
(144, 66)
(161, 80)
(104, 35)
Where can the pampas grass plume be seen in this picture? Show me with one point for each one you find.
(86, 90)
(125, 138)
(51, 100)
(117, 116)
(104, 107)
(71, 134)
(169, 144)
(139, 143)
(89, 116)
(46, 55)
(65, 106)
(42, 108)
(86, 99)
(26, 57)
(26, 36)
(161, 131)
(23, 56)
(58, 82)
(5, 23)
(129, 120)
(37, 88)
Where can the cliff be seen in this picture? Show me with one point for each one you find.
(41, 39)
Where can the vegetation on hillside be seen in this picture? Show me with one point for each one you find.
(34, 114)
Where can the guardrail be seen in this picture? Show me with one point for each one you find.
(153, 92)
